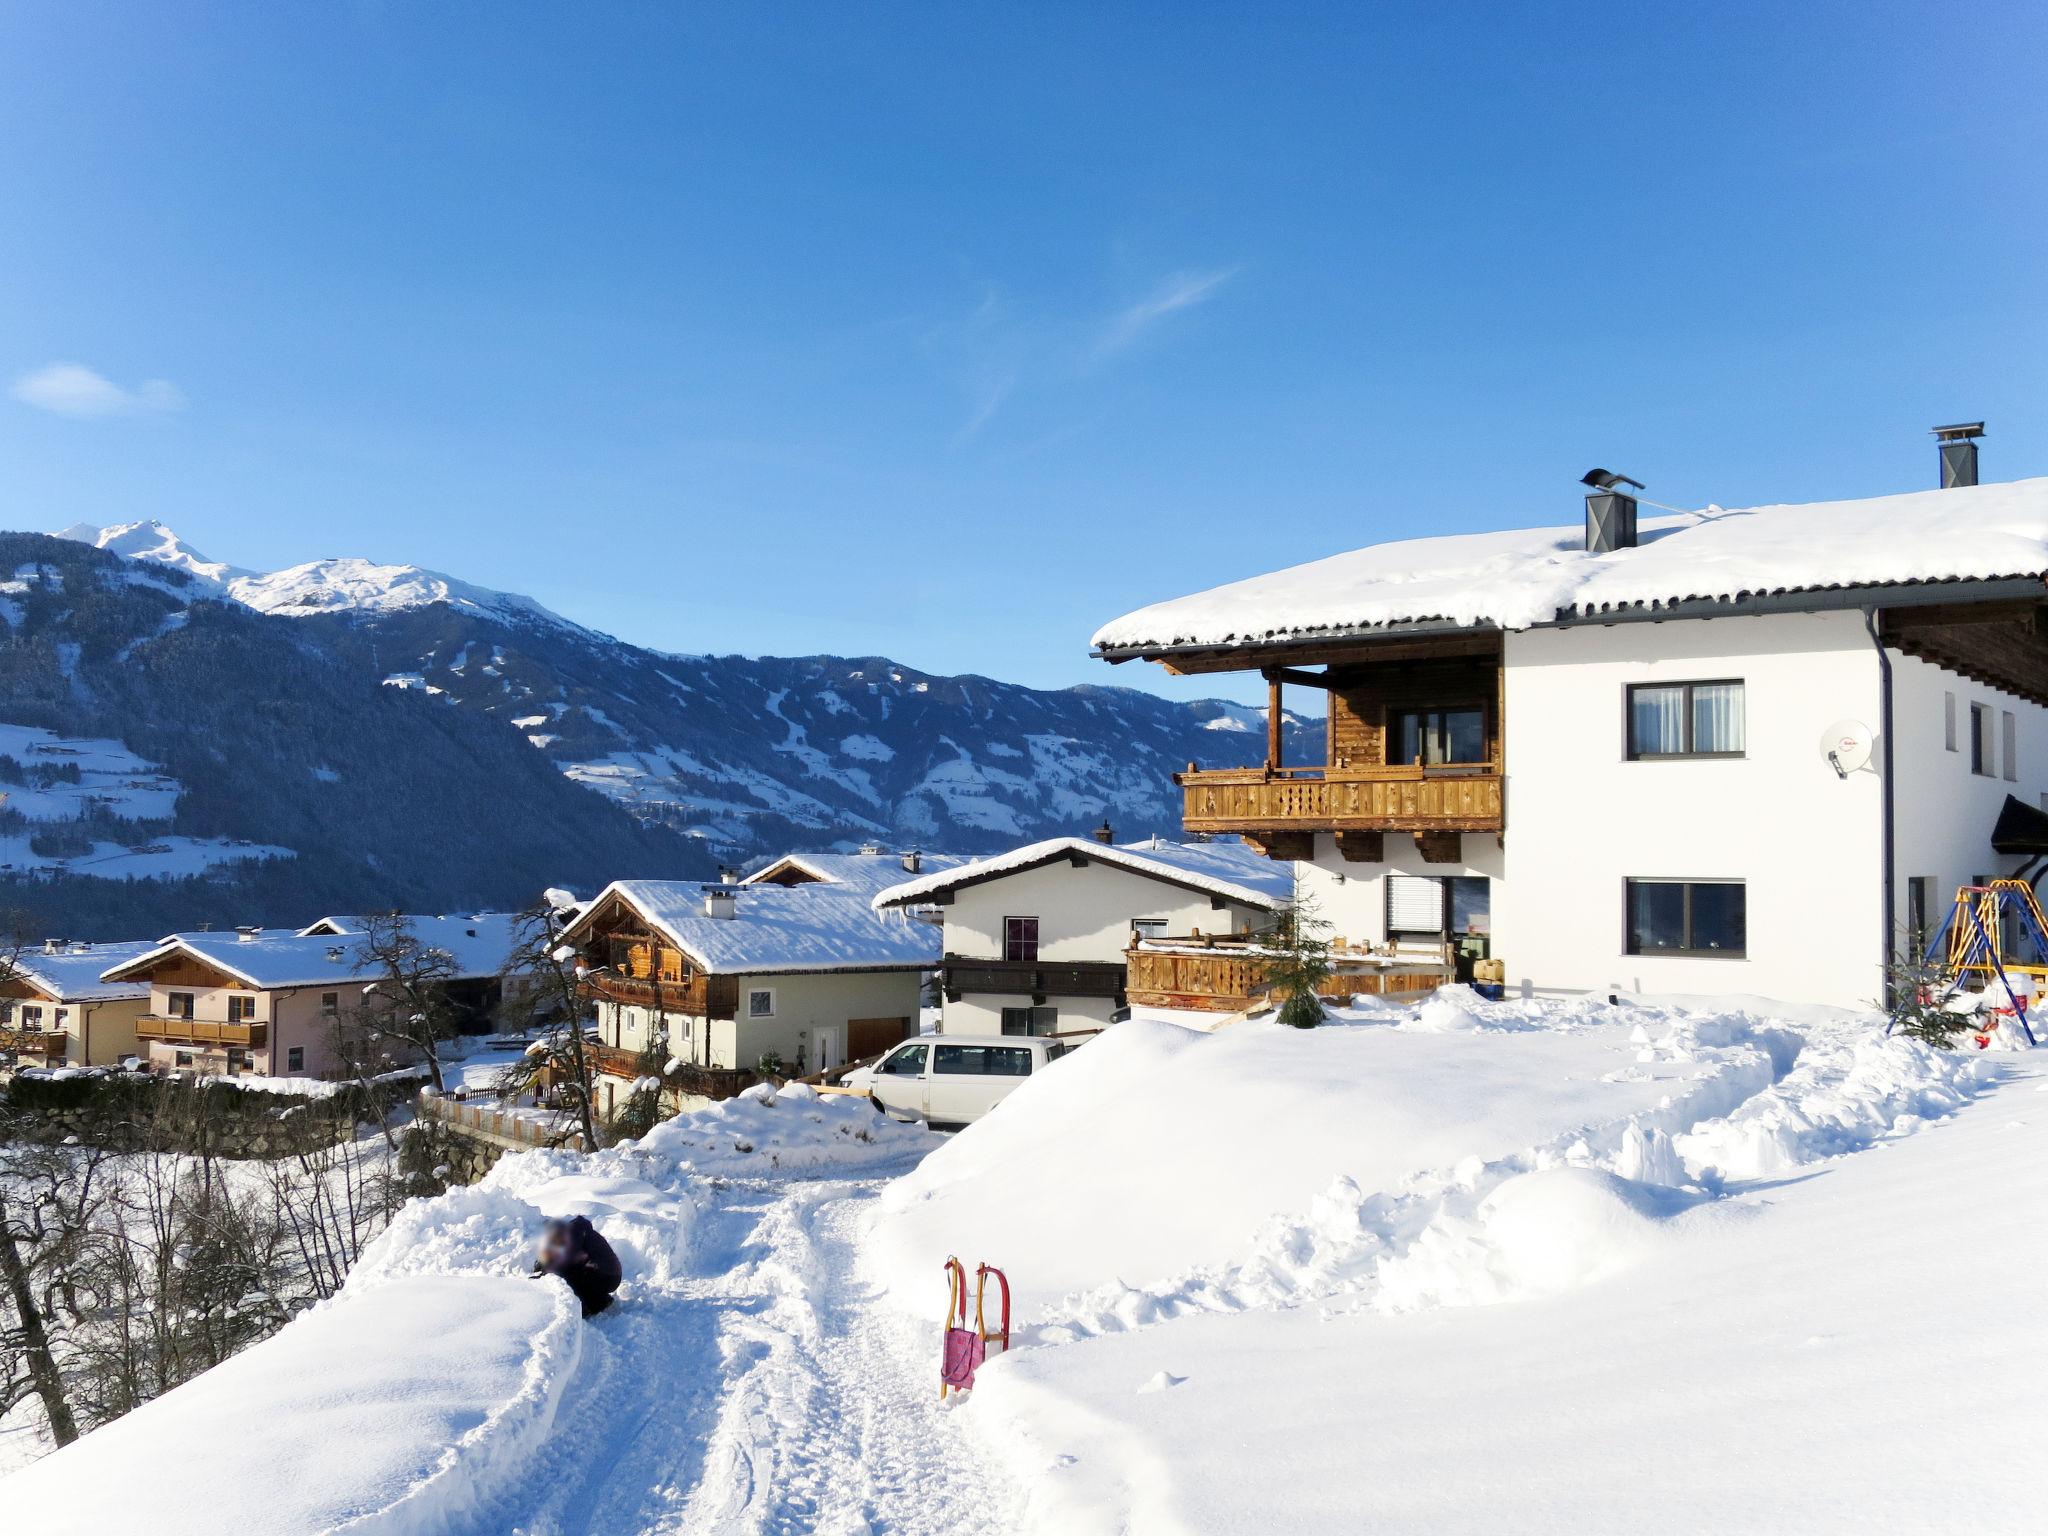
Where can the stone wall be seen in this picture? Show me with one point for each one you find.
(128, 1113)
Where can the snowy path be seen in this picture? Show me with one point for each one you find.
(813, 1410)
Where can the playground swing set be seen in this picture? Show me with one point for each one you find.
(967, 1347)
(1993, 933)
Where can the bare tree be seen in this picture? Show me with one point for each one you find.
(553, 1002)
(406, 1003)
(49, 1199)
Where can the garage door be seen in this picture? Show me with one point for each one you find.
(871, 1037)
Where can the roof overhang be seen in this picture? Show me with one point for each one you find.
(141, 965)
(1356, 639)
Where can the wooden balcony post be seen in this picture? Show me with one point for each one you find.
(1273, 716)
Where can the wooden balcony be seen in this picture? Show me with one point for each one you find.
(1225, 976)
(218, 1032)
(1402, 797)
(704, 997)
(46, 1043)
(1034, 978)
(614, 1061)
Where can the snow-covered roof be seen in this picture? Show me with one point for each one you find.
(480, 944)
(1230, 870)
(864, 872)
(1529, 577)
(822, 926)
(284, 957)
(72, 974)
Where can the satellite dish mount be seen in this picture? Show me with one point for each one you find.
(1845, 746)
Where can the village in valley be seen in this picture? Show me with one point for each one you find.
(1508, 1009)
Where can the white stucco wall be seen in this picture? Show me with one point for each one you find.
(1582, 818)
(1944, 811)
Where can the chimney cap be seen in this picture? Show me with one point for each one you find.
(1105, 833)
(1960, 432)
(1607, 480)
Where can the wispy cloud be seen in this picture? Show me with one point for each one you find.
(1182, 290)
(72, 389)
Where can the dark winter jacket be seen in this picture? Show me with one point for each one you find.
(586, 1262)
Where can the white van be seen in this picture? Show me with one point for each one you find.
(953, 1079)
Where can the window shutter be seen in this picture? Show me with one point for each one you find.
(1415, 904)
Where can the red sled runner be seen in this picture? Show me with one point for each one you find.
(965, 1347)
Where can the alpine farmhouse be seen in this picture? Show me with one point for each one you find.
(55, 1010)
(700, 985)
(1729, 751)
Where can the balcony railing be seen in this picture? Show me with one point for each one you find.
(1401, 797)
(33, 1042)
(247, 1033)
(697, 996)
(1224, 975)
(1024, 978)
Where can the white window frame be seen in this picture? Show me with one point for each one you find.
(755, 1013)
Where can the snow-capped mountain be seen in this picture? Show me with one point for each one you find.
(344, 585)
(152, 541)
(751, 754)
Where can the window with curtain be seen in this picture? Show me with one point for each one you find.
(1688, 917)
(1686, 720)
(1433, 736)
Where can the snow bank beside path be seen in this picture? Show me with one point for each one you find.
(399, 1410)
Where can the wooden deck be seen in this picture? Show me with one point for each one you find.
(45, 1043)
(1221, 976)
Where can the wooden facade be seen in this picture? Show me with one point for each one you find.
(645, 971)
(1364, 789)
(46, 1043)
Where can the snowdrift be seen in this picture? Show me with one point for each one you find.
(1157, 1149)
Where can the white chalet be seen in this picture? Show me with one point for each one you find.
(704, 981)
(1730, 751)
(1036, 940)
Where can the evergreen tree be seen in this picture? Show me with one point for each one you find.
(1299, 962)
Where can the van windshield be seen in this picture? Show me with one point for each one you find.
(983, 1061)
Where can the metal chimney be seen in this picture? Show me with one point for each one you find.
(1610, 511)
(1958, 446)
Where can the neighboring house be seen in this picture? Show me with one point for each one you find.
(1747, 751)
(791, 965)
(481, 947)
(55, 1010)
(268, 1001)
(1036, 940)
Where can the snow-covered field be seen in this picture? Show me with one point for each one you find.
(1467, 1266)
(116, 781)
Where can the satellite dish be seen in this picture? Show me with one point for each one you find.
(1845, 746)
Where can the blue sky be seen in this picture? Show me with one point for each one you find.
(948, 334)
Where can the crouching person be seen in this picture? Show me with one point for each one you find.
(575, 1250)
